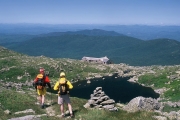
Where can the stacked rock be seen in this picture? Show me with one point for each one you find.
(100, 100)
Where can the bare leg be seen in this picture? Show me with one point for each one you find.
(42, 99)
(70, 108)
(62, 109)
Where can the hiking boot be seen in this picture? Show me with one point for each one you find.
(42, 106)
(71, 115)
(62, 116)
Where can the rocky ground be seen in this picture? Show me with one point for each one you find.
(136, 104)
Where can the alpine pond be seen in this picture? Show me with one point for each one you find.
(116, 88)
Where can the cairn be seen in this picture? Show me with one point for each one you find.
(100, 101)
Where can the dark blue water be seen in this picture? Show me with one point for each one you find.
(118, 89)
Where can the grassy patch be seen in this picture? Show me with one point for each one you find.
(15, 101)
(96, 114)
(169, 108)
(160, 80)
(157, 80)
(173, 93)
(18, 102)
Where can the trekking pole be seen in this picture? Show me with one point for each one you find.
(51, 91)
(36, 97)
(51, 98)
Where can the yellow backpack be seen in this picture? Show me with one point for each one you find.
(63, 86)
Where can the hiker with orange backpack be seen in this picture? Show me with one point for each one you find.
(63, 85)
(40, 83)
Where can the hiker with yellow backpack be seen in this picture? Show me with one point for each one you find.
(63, 85)
(40, 83)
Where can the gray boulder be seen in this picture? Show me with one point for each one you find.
(141, 103)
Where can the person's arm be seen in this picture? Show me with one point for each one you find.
(49, 85)
(56, 87)
(47, 81)
(35, 80)
(69, 85)
(34, 83)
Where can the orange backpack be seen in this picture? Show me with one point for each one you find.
(40, 81)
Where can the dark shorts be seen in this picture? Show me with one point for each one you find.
(63, 99)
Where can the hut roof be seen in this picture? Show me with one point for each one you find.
(103, 59)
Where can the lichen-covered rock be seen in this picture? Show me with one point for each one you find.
(141, 103)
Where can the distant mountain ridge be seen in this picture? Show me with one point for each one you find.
(93, 32)
(93, 43)
(144, 32)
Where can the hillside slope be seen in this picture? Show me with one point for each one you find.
(17, 72)
(74, 46)
(120, 49)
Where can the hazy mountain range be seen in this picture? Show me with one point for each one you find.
(143, 32)
(97, 43)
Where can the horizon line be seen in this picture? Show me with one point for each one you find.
(90, 24)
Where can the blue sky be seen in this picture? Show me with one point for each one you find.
(122, 12)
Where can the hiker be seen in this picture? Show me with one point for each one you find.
(40, 84)
(63, 85)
